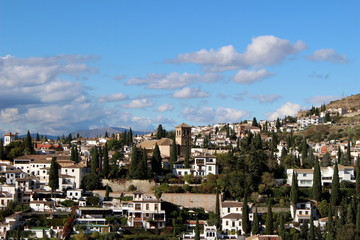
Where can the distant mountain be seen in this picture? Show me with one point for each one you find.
(97, 132)
(351, 102)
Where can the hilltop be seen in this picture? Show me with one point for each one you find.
(351, 102)
(96, 132)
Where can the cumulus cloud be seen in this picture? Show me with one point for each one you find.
(190, 93)
(173, 80)
(213, 115)
(328, 55)
(248, 76)
(318, 100)
(113, 97)
(165, 107)
(262, 51)
(288, 109)
(139, 103)
(38, 80)
(262, 98)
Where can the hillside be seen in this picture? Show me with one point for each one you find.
(351, 102)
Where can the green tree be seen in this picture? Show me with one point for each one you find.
(255, 225)
(339, 154)
(54, 175)
(91, 181)
(217, 210)
(197, 230)
(294, 189)
(160, 132)
(357, 169)
(107, 193)
(72, 154)
(246, 227)
(281, 226)
(269, 220)
(330, 226)
(187, 153)
(130, 138)
(94, 160)
(358, 220)
(316, 188)
(106, 167)
(347, 160)
(173, 154)
(311, 235)
(144, 168)
(134, 163)
(37, 137)
(254, 122)
(335, 188)
(326, 160)
(29, 147)
(2, 153)
(156, 161)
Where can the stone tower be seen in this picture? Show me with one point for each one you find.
(183, 132)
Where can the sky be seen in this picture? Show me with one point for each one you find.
(74, 65)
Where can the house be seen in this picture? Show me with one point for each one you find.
(94, 219)
(163, 143)
(209, 233)
(231, 217)
(302, 211)
(42, 206)
(72, 175)
(202, 165)
(145, 211)
(305, 176)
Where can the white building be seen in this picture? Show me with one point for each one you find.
(201, 166)
(8, 138)
(302, 211)
(305, 176)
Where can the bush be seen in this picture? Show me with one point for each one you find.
(132, 188)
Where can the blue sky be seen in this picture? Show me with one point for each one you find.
(70, 65)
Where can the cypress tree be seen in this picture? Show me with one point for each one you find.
(254, 122)
(269, 220)
(130, 137)
(77, 157)
(54, 175)
(246, 227)
(217, 210)
(255, 225)
(187, 153)
(173, 154)
(330, 225)
(107, 193)
(339, 154)
(29, 147)
(326, 160)
(106, 168)
(294, 189)
(134, 164)
(358, 220)
(304, 151)
(197, 230)
(94, 160)
(144, 167)
(160, 132)
(2, 153)
(335, 188)
(316, 188)
(37, 137)
(351, 212)
(281, 226)
(311, 235)
(156, 161)
(72, 154)
(357, 169)
(348, 155)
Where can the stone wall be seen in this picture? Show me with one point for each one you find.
(192, 200)
(123, 185)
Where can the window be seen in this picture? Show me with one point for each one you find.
(147, 206)
(228, 210)
(210, 168)
(73, 170)
(227, 223)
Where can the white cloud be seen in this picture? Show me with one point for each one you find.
(266, 98)
(113, 97)
(288, 109)
(173, 80)
(318, 100)
(248, 76)
(213, 115)
(190, 93)
(262, 51)
(165, 107)
(139, 103)
(328, 55)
